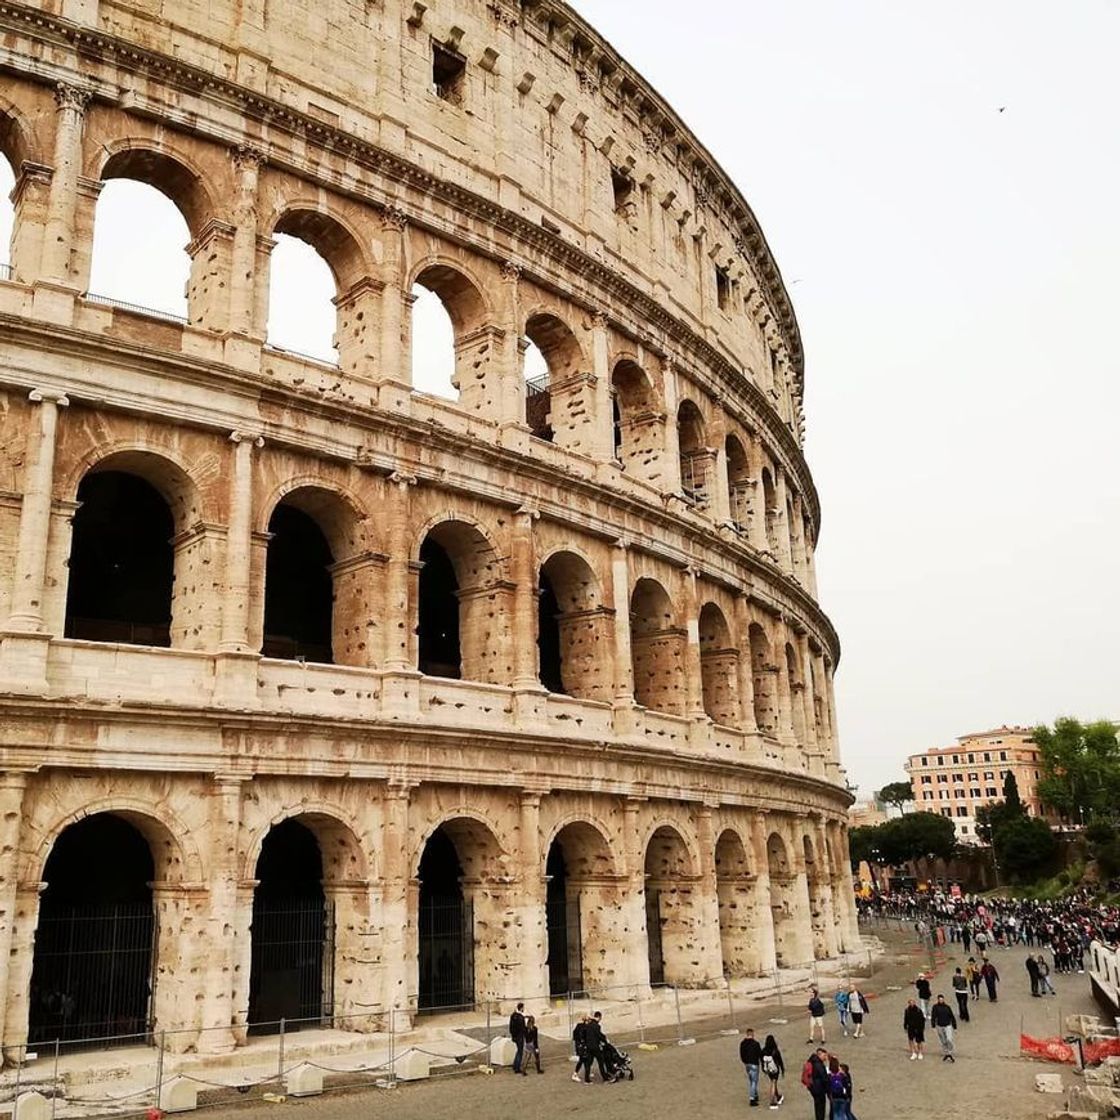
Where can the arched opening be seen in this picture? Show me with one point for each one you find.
(122, 562)
(446, 928)
(7, 210)
(451, 354)
(291, 974)
(298, 590)
(302, 317)
(146, 216)
(694, 454)
(738, 911)
(796, 691)
(565, 966)
(657, 649)
(92, 973)
(738, 484)
(572, 629)
(637, 424)
(462, 617)
(559, 405)
(820, 902)
(764, 673)
(673, 915)
(782, 905)
(538, 398)
(719, 661)
(770, 510)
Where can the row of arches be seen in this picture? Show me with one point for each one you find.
(313, 263)
(131, 580)
(96, 969)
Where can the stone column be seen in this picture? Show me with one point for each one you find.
(634, 964)
(833, 935)
(781, 522)
(830, 705)
(236, 681)
(13, 785)
(523, 574)
(398, 926)
(848, 912)
(718, 486)
(708, 950)
(745, 669)
(757, 526)
(58, 241)
(785, 734)
(247, 162)
(797, 534)
(21, 959)
(800, 898)
(807, 675)
(398, 618)
(601, 445)
(531, 905)
(620, 590)
(394, 370)
(510, 374)
(694, 680)
(225, 927)
(810, 566)
(764, 918)
(671, 477)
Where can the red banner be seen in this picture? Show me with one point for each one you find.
(1046, 1049)
(1103, 1048)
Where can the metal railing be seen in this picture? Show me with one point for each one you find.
(316, 359)
(135, 308)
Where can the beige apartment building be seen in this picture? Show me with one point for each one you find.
(956, 781)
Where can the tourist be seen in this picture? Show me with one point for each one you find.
(945, 1023)
(990, 977)
(517, 1034)
(857, 1008)
(972, 975)
(1044, 976)
(921, 986)
(593, 1041)
(774, 1068)
(579, 1042)
(966, 937)
(914, 1024)
(816, 1015)
(532, 1044)
(1032, 972)
(842, 1009)
(814, 1076)
(960, 990)
(750, 1054)
(839, 1091)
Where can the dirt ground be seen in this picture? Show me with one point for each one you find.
(705, 1081)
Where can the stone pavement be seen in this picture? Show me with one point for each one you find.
(705, 1081)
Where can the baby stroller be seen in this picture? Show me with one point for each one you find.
(617, 1063)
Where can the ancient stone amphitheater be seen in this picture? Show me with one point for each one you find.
(323, 695)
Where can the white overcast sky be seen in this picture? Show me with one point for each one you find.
(955, 273)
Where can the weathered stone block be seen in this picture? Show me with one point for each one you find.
(412, 1066)
(179, 1095)
(502, 1052)
(31, 1106)
(304, 1081)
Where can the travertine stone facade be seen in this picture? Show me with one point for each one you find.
(682, 763)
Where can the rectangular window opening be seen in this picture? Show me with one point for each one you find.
(623, 187)
(449, 69)
(723, 288)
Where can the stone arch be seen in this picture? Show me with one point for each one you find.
(592, 843)
(163, 468)
(463, 603)
(573, 628)
(674, 909)
(331, 235)
(459, 290)
(739, 486)
(657, 648)
(637, 422)
(739, 917)
(695, 458)
(764, 673)
(820, 897)
(166, 168)
(719, 663)
(559, 406)
(345, 859)
(782, 905)
(19, 143)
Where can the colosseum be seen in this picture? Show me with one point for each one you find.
(324, 694)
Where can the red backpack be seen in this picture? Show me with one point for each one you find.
(807, 1074)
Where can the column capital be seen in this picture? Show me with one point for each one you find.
(247, 158)
(69, 96)
(394, 219)
(403, 479)
(528, 513)
(511, 272)
(599, 320)
(622, 544)
(52, 396)
(252, 438)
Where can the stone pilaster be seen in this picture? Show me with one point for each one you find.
(694, 681)
(707, 950)
(620, 594)
(534, 933)
(21, 959)
(58, 242)
(523, 574)
(635, 966)
(247, 164)
(745, 670)
(764, 917)
(13, 786)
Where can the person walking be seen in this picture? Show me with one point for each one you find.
(972, 975)
(1032, 972)
(579, 1041)
(593, 1041)
(774, 1068)
(966, 938)
(532, 1045)
(750, 1054)
(960, 990)
(814, 1077)
(1044, 976)
(857, 1008)
(839, 1091)
(517, 1034)
(921, 986)
(914, 1024)
(816, 1015)
(942, 1018)
(842, 1002)
(990, 977)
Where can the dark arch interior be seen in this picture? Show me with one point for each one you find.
(565, 965)
(298, 589)
(122, 565)
(293, 932)
(548, 637)
(438, 633)
(446, 940)
(92, 970)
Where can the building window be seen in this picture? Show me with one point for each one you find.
(962, 811)
(925, 761)
(926, 779)
(928, 795)
(991, 791)
(987, 756)
(623, 187)
(942, 779)
(989, 776)
(971, 758)
(944, 795)
(1037, 775)
(946, 812)
(940, 760)
(974, 777)
(974, 791)
(958, 777)
(1003, 756)
(449, 70)
(723, 288)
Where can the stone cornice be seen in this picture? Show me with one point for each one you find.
(332, 137)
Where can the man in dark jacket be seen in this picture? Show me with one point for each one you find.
(818, 1081)
(990, 977)
(960, 990)
(593, 1044)
(517, 1034)
(750, 1054)
(1032, 972)
(579, 1041)
(816, 1015)
(941, 1016)
(914, 1023)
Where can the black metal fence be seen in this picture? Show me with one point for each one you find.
(292, 963)
(446, 954)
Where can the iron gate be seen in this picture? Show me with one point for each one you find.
(653, 937)
(565, 946)
(446, 952)
(93, 972)
(292, 975)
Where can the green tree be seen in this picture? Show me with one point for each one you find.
(1011, 798)
(1080, 769)
(896, 794)
(1023, 845)
(916, 836)
(861, 844)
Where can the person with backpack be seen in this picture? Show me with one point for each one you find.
(945, 1024)
(750, 1054)
(774, 1068)
(914, 1024)
(857, 1008)
(814, 1076)
(839, 1091)
(816, 1015)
